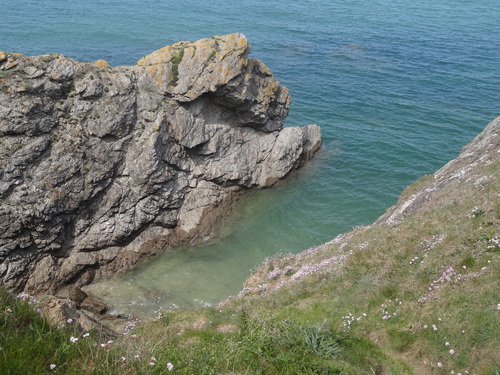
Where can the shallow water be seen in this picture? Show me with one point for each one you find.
(398, 87)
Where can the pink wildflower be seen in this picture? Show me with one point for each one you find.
(170, 366)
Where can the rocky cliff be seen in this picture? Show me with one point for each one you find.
(101, 166)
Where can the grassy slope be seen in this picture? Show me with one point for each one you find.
(437, 267)
(419, 296)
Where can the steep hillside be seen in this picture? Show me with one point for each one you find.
(422, 282)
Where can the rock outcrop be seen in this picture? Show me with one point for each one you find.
(101, 166)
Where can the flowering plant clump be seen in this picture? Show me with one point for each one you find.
(494, 243)
(349, 319)
(274, 274)
(311, 268)
(386, 307)
(446, 276)
(27, 300)
(476, 212)
(363, 245)
(131, 324)
(32, 301)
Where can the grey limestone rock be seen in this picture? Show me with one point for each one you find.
(102, 166)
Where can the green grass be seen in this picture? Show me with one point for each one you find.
(29, 344)
(176, 60)
(206, 341)
(256, 342)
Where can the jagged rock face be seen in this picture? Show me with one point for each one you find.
(102, 166)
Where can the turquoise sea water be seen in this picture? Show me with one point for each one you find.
(397, 86)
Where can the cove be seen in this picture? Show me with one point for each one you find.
(264, 223)
(321, 200)
(397, 88)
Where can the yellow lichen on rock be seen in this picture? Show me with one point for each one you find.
(3, 55)
(160, 56)
(10, 63)
(102, 63)
(189, 69)
(160, 73)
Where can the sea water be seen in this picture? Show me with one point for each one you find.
(397, 86)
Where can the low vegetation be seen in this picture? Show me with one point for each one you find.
(419, 297)
(176, 60)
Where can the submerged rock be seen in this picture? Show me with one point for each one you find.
(102, 166)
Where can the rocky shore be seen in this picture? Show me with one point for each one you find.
(103, 166)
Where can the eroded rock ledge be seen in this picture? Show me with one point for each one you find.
(102, 166)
